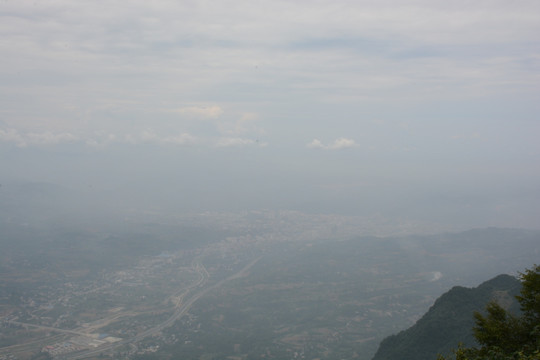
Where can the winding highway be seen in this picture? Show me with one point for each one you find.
(181, 309)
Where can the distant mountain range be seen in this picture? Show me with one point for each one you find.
(449, 321)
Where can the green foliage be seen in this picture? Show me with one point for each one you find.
(503, 336)
(499, 329)
(447, 322)
(530, 296)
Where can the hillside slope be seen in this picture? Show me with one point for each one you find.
(449, 321)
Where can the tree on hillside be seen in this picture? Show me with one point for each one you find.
(504, 336)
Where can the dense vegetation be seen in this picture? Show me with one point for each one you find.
(442, 327)
(505, 336)
(509, 329)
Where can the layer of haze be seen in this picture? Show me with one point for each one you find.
(426, 111)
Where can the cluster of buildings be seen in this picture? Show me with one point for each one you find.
(8, 357)
(79, 343)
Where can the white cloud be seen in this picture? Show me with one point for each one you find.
(64, 61)
(316, 144)
(149, 136)
(25, 139)
(246, 123)
(102, 140)
(33, 138)
(13, 136)
(340, 143)
(238, 142)
(181, 139)
(435, 275)
(205, 112)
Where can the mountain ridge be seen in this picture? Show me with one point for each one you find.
(449, 321)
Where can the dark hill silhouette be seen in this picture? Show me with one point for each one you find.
(449, 321)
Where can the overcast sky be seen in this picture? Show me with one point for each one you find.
(421, 109)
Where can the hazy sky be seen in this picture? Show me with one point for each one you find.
(421, 109)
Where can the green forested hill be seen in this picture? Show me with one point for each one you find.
(449, 321)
